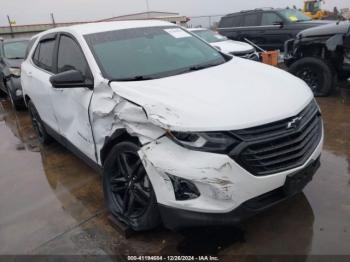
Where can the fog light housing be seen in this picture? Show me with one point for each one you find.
(183, 189)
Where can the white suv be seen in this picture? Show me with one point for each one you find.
(183, 134)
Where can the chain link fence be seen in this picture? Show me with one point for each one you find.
(208, 21)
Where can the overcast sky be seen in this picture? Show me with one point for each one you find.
(38, 11)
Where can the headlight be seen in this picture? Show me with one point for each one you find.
(217, 142)
(15, 71)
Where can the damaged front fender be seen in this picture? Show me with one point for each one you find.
(112, 115)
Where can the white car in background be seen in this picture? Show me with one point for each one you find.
(226, 45)
(182, 133)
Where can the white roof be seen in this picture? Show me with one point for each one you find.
(91, 28)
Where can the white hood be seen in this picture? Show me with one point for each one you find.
(236, 47)
(238, 94)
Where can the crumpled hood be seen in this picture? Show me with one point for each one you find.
(238, 94)
(326, 30)
(233, 47)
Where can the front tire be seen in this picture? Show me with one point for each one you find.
(38, 125)
(317, 73)
(127, 189)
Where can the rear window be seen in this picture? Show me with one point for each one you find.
(231, 21)
(15, 50)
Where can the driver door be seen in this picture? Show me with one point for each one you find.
(71, 105)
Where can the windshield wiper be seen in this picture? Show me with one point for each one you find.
(200, 67)
(16, 57)
(133, 78)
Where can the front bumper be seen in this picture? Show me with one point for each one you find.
(225, 187)
(174, 218)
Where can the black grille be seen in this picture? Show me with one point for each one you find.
(281, 145)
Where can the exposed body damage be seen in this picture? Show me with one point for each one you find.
(224, 185)
(110, 112)
(330, 44)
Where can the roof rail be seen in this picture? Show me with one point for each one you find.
(251, 10)
(257, 9)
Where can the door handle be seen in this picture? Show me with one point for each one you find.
(29, 74)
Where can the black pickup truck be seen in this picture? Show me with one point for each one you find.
(320, 56)
(268, 28)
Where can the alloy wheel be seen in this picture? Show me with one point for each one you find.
(130, 185)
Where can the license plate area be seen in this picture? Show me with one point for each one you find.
(296, 182)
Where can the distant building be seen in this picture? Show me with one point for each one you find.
(26, 31)
(166, 16)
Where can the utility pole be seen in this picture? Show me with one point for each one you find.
(11, 29)
(147, 6)
(53, 20)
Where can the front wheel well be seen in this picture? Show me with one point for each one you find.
(118, 136)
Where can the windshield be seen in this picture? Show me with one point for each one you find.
(293, 15)
(210, 36)
(15, 50)
(148, 53)
(312, 6)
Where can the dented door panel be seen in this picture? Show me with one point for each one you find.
(71, 107)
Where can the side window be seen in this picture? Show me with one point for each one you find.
(71, 57)
(231, 21)
(270, 19)
(43, 55)
(251, 20)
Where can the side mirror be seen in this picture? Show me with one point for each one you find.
(279, 23)
(70, 79)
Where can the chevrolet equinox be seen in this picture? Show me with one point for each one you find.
(183, 134)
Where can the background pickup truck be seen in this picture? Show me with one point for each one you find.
(268, 28)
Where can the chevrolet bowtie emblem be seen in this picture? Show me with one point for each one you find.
(294, 123)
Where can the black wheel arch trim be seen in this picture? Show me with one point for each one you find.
(118, 136)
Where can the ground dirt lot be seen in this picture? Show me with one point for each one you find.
(52, 203)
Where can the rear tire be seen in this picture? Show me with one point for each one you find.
(127, 189)
(317, 73)
(38, 125)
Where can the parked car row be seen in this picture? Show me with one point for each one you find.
(12, 53)
(183, 134)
